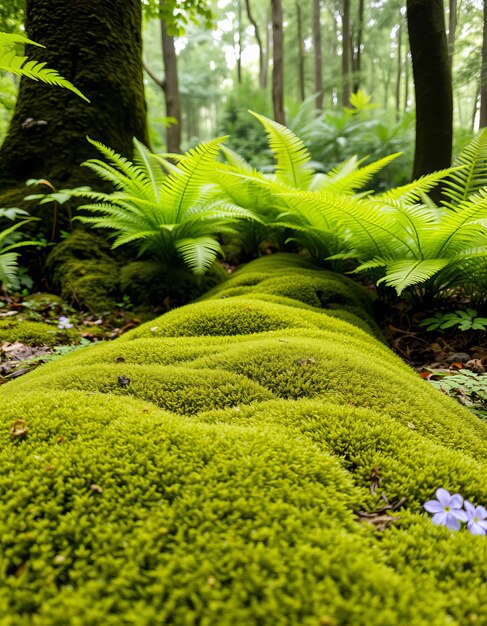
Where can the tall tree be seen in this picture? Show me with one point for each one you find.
(483, 74)
(399, 72)
(101, 52)
(318, 55)
(239, 41)
(452, 27)
(432, 85)
(278, 62)
(357, 47)
(300, 42)
(260, 45)
(346, 48)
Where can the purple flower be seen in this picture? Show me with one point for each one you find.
(476, 515)
(63, 323)
(447, 509)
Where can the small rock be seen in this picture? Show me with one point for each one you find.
(461, 357)
(123, 381)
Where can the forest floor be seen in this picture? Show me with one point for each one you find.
(453, 361)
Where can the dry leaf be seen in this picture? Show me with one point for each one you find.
(19, 429)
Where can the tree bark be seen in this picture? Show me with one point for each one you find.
(399, 73)
(452, 27)
(346, 52)
(483, 74)
(432, 85)
(318, 55)
(239, 43)
(300, 42)
(357, 63)
(171, 89)
(258, 39)
(278, 62)
(103, 57)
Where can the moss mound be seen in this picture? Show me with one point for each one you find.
(153, 283)
(36, 333)
(211, 467)
(84, 272)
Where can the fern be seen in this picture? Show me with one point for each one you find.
(21, 66)
(174, 216)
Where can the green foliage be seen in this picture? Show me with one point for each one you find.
(178, 14)
(240, 500)
(469, 387)
(10, 61)
(463, 320)
(175, 217)
(10, 274)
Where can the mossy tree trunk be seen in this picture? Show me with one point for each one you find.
(96, 45)
(432, 84)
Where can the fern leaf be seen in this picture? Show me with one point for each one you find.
(198, 253)
(21, 66)
(472, 176)
(412, 192)
(348, 180)
(405, 273)
(291, 155)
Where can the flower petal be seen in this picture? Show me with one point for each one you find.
(433, 506)
(452, 522)
(470, 509)
(481, 512)
(476, 529)
(439, 518)
(460, 515)
(456, 501)
(443, 496)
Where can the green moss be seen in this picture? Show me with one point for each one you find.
(209, 467)
(84, 271)
(36, 333)
(153, 283)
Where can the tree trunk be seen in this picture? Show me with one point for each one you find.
(399, 73)
(239, 44)
(483, 74)
(432, 85)
(300, 42)
(406, 83)
(171, 89)
(346, 52)
(258, 39)
(358, 47)
(317, 49)
(475, 108)
(268, 35)
(102, 56)
(452, 27)
(278, 62)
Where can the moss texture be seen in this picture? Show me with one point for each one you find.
(153, 283)
(36, 333)
(85, 273)
(208, 467)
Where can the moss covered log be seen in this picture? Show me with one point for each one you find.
(103, 58)
(210, 467)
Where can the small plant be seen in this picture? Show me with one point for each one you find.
(174, 217)
(468, 387)
(447, 511)
(56, 197)
(10, 273)
(464, 320)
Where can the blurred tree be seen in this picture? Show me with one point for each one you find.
(278, 62)
(432, 85)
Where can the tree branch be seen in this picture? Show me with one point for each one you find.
(159, 81)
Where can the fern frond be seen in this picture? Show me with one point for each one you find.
(9, 270)
(405, 273)
(348, 179)
(21, 66)
(291, 155)
(147, 162)
(472, 176)
(198, 253)
(412, 192)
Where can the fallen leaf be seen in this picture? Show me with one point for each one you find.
(19, 429)
(96, 488)
(123, 381)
